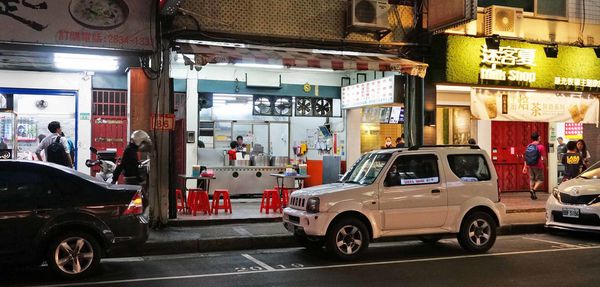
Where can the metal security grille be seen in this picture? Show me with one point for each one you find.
(109, 120)
(109, 103)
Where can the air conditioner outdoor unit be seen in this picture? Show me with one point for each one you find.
(503, 21)
(369, 15)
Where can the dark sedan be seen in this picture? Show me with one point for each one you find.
(64, 217)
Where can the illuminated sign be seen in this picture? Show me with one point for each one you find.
(577, 82)
(508, 57)
(377, 92)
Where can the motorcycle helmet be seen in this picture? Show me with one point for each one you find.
(141, 139)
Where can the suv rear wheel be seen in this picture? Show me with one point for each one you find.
(477, 232)
(74, 254)
(347, 238)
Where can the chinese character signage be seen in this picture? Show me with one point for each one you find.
(507, 57)
(503, 105)
(376, 92)
(118, 24)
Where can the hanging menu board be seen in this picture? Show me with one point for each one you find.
(377, 92)
(397, 115)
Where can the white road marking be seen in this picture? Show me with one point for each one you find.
(360, 264)
(123, 259)
(242, 231)
(553, 242)
(260, 263)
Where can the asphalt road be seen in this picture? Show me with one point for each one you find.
(563, 259)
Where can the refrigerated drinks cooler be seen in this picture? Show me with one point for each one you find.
(8, 135)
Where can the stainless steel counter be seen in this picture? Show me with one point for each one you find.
(246, 180)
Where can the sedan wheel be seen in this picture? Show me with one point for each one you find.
(74, 255)
(347, 239)
(477, 232)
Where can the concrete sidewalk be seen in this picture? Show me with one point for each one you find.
(204, 233)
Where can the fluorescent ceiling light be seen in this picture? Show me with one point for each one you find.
(447, 88)
(253, 65)
(311, 69)
(349, 53)
(85, 62)
(231, 95)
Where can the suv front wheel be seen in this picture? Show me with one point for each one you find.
(477, 232)
(347, 238)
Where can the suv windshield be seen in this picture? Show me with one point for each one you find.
(366, 169)
(592, 172)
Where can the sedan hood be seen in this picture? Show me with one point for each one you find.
(324, 189)
(580, 186)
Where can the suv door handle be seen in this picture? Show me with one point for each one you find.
(436, 191)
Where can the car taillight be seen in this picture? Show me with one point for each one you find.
(135, 207)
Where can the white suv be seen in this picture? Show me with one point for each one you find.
(427, 191)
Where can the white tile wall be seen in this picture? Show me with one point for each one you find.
(592, 11)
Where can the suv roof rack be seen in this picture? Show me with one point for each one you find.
(417, 147)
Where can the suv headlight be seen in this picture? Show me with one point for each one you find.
(312, 205)
(555, 193)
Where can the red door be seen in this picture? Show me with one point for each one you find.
(509, 140)
(109, 120)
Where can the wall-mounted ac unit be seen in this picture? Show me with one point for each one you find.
(503, 21)
(369, 15)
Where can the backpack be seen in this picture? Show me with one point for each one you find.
(532, 155)
(56, 153)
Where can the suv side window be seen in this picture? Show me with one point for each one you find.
(469, 167)
(413, 170)
(19, 191)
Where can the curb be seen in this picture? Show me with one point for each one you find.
(209, 222)
(270, 242)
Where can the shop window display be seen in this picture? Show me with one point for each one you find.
(453, 125)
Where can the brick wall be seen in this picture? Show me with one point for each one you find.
(294, 19)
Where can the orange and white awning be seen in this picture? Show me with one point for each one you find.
(303, 58)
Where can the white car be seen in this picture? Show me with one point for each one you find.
(575, 204)
(426, 192)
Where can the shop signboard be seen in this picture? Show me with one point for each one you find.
(533, 106)
(467, 60)
(117, 24)
(164, 122)
(376, 92)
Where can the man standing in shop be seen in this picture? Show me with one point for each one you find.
(55, 146)
(241, 146)
(535, 155)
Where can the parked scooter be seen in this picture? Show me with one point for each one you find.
(106, 161)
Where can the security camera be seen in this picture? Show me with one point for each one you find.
(198, 68)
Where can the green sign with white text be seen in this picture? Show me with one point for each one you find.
(469, 61)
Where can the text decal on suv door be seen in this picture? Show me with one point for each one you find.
(419, 180)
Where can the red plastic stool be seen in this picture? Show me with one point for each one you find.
(179, 202)
(217, 198)
(270, 200)
(285, 195)
(198, 201)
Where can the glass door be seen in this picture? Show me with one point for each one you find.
(260, 144)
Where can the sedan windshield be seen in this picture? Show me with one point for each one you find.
(592, 173)
(366, 169)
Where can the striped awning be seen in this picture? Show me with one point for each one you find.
(303, 58)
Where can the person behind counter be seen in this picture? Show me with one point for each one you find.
(241, 146)
(233, 145)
